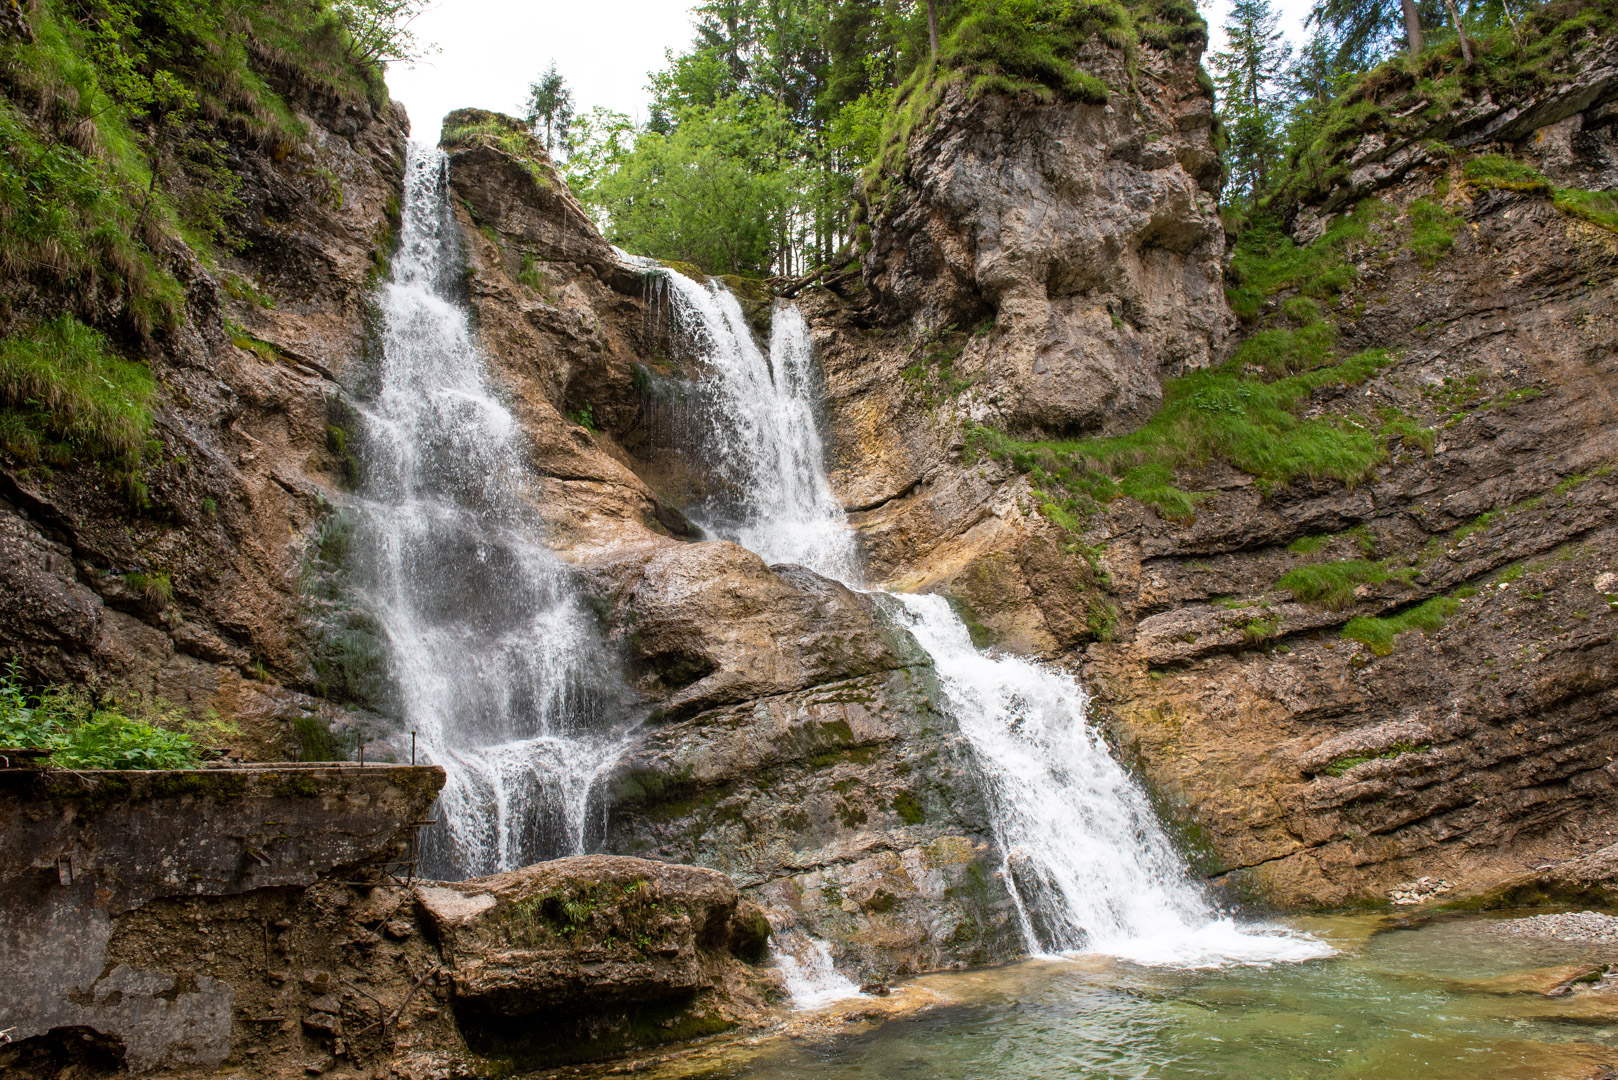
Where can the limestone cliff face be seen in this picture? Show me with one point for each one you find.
(1089, 235)
(247, 465)
(1300, 767)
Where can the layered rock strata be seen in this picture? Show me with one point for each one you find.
(1300, 767)
(248, 463)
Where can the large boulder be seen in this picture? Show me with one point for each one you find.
(610, 953)
(711, 624)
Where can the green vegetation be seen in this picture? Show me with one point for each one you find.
(116, 120)
(316, 740)
(1218, 413)
(469, 127)
(1339, 766)
(1295, 122)
(89, 731)
(1259, 630)
(1379, 634)
(1497, 171)
(1597, 207)
(932, 372)
(156, 589)
(1332, 584)
(1432, 230)
(585, 417)
(65, 396)
(1266, 261)
(764, 131)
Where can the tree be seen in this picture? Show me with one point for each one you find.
(1361, 27)
(379, 30)
(550, 111)
(711, 191)
(1245, 74)
(932, 27)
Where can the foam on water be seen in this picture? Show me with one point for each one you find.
(805, 962)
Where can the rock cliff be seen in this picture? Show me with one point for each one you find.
(1333, 686)
(1338, 673)
(190, 584)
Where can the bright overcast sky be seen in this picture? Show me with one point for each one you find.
(492, 49)
(1292, 12)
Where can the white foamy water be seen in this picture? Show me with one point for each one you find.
(805, 963)
(761, 439)
(1086, 860)
(500, 669)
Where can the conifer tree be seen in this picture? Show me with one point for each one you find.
(1362, 27)
(1245, 74)
(550, 110)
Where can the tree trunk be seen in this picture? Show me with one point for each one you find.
(1412, 26)
(1455, 17)
(932, 26)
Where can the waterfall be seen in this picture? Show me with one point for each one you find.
(501, 670)
(762, 443)
(1086, 861)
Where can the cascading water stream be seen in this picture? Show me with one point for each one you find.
(499, 667)
(762, 441)
(1086, 860)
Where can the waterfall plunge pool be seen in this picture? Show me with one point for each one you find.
(1454, 999)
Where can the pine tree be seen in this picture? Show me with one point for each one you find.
(1245, 74)
(550, 110)
(1363, 28)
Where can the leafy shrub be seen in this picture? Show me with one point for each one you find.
(86, 732)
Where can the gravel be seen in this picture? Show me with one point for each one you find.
(1584, 926)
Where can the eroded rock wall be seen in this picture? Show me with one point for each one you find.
(1297, 766)
(248, 464)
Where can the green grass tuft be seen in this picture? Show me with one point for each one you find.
(1432, 230)
(1332, 584)
(64, 395)
(1490, 171)
(1217, 413)
(1379, 634)
(1597, 207)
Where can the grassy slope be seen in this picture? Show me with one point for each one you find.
(112, 120)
